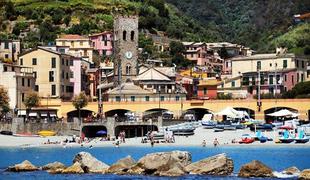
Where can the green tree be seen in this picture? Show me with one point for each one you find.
(80, 101)
(176, 47)
(4, 101)
(9, 10)
(301, 89)
(31, 100)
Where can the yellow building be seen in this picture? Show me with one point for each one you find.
(52, 72)
(75, 45)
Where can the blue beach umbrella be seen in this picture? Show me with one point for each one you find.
(101, 132)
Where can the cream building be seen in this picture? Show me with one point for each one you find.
(52, 72)
(269, 62)
(75, 45)
(9, 49)
(19, 81)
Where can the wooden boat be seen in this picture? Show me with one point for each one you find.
(25, 135)
(6, 132)
(46, 133)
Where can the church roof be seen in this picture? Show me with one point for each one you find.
(152, 75)
(128, 88)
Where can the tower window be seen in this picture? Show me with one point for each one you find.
(124, 35)
(128, 70)
(132, 35)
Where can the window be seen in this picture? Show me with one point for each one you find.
(117, 98)
(71, 74)
(13, 69)
(69, 89)
(162, 98)
(81, 43)
(34, 61)
(62, 61)
(233, 83)
(128, 70)
(124, 35)
(302, 78)
(105, 43)
(51, 76)
(67, 62)
(271, 79)
(132, 35)
(53, 90)
(28, 82)
(6, 56)
(53, 62)
(278, 79)
(297, 63)
(21, 61)
(23, 97)
(62, 88)
(297, 78)
(246, 81)
(36, 88)
(270, 64)
(253, 80)
(177, 98)
(147, 98)
(5, 68)
(23, 82)
(285, 63)
(133, 98)
(259, 65)
(285, 78)
(302, 64)
(62, 74)
(62, 50)
(72, 43)
(204, 91)
(71, 62)
(6, 45)
(67, 75)
(292, 79)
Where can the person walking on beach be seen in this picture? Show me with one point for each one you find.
(204, 143)
(215, 142)
(152, 143)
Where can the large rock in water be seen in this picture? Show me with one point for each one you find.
(89, 163)
(74, 169)
(53, 166)
(24, 166)
(121, 166)
(215, 165)
(161, 162)
(305, 174)
(255, 169)
(291, 171)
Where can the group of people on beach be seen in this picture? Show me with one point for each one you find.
(215, 143)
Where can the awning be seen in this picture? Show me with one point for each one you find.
(22, 112)
(283, 113)
(43, 114)
(33, 114)
(53, 115)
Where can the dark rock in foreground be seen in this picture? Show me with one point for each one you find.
(89, 163)
(304, 175)
(24, 166)
(255, 169)
(215, 165)
(121, 166)
(53, 166)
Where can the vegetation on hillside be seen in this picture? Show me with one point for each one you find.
(253, 23)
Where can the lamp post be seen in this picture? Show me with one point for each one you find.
(159, 97)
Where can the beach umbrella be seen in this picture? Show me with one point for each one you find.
(101, 132)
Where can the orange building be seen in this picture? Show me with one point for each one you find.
(207, 89)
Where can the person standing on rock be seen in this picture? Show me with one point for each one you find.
(215, 142)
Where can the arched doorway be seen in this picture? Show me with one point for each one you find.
(198, 112)
(270, 119)
(92, 131)
(248, 110)
(75, 114)
(153, 113)
(119, 112)
(135, 130)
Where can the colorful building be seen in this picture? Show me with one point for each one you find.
(78, 75)
(51, 70)
(9, 49)
(19, 81)
(103, 43)
(75, 45)
(207, 89)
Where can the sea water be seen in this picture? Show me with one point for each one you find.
(276, 157)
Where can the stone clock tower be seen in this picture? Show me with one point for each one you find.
(126, 48)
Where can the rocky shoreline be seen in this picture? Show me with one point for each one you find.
(174, 163)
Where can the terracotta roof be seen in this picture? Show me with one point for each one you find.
(98, 34)
(72, 36)
(208, 82)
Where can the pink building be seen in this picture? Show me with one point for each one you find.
(103, 42)
(78, 75)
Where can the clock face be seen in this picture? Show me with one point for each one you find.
(128, 55)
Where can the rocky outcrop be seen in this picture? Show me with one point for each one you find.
(304, 175)
(160, 163)
(74, 169)
(24, 166)
(53, 166)
(291, 171)
(255, 169)
(89, 163)
(215, 165)
(121, 166)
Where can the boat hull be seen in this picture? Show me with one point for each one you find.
(287, 141)
(302, 141)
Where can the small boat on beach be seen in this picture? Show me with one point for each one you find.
(10, 133)
(218, 129)
(286, 137)
(208, 124)
(301, 138)
(46, 133)
(246, 139)
(265, 127)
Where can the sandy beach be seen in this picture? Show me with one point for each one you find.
(201, 134)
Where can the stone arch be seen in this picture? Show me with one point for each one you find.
(153, 113)
(251, 112)
(135, 130)
(124, 35)
(119, 112)
(75, 114)
(270, 119)
(90, 131)
(198, 112)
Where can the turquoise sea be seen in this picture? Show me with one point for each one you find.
(276, 157)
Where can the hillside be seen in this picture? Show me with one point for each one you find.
(253, 23)
(44, 19)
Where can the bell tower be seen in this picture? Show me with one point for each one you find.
(126, 48)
